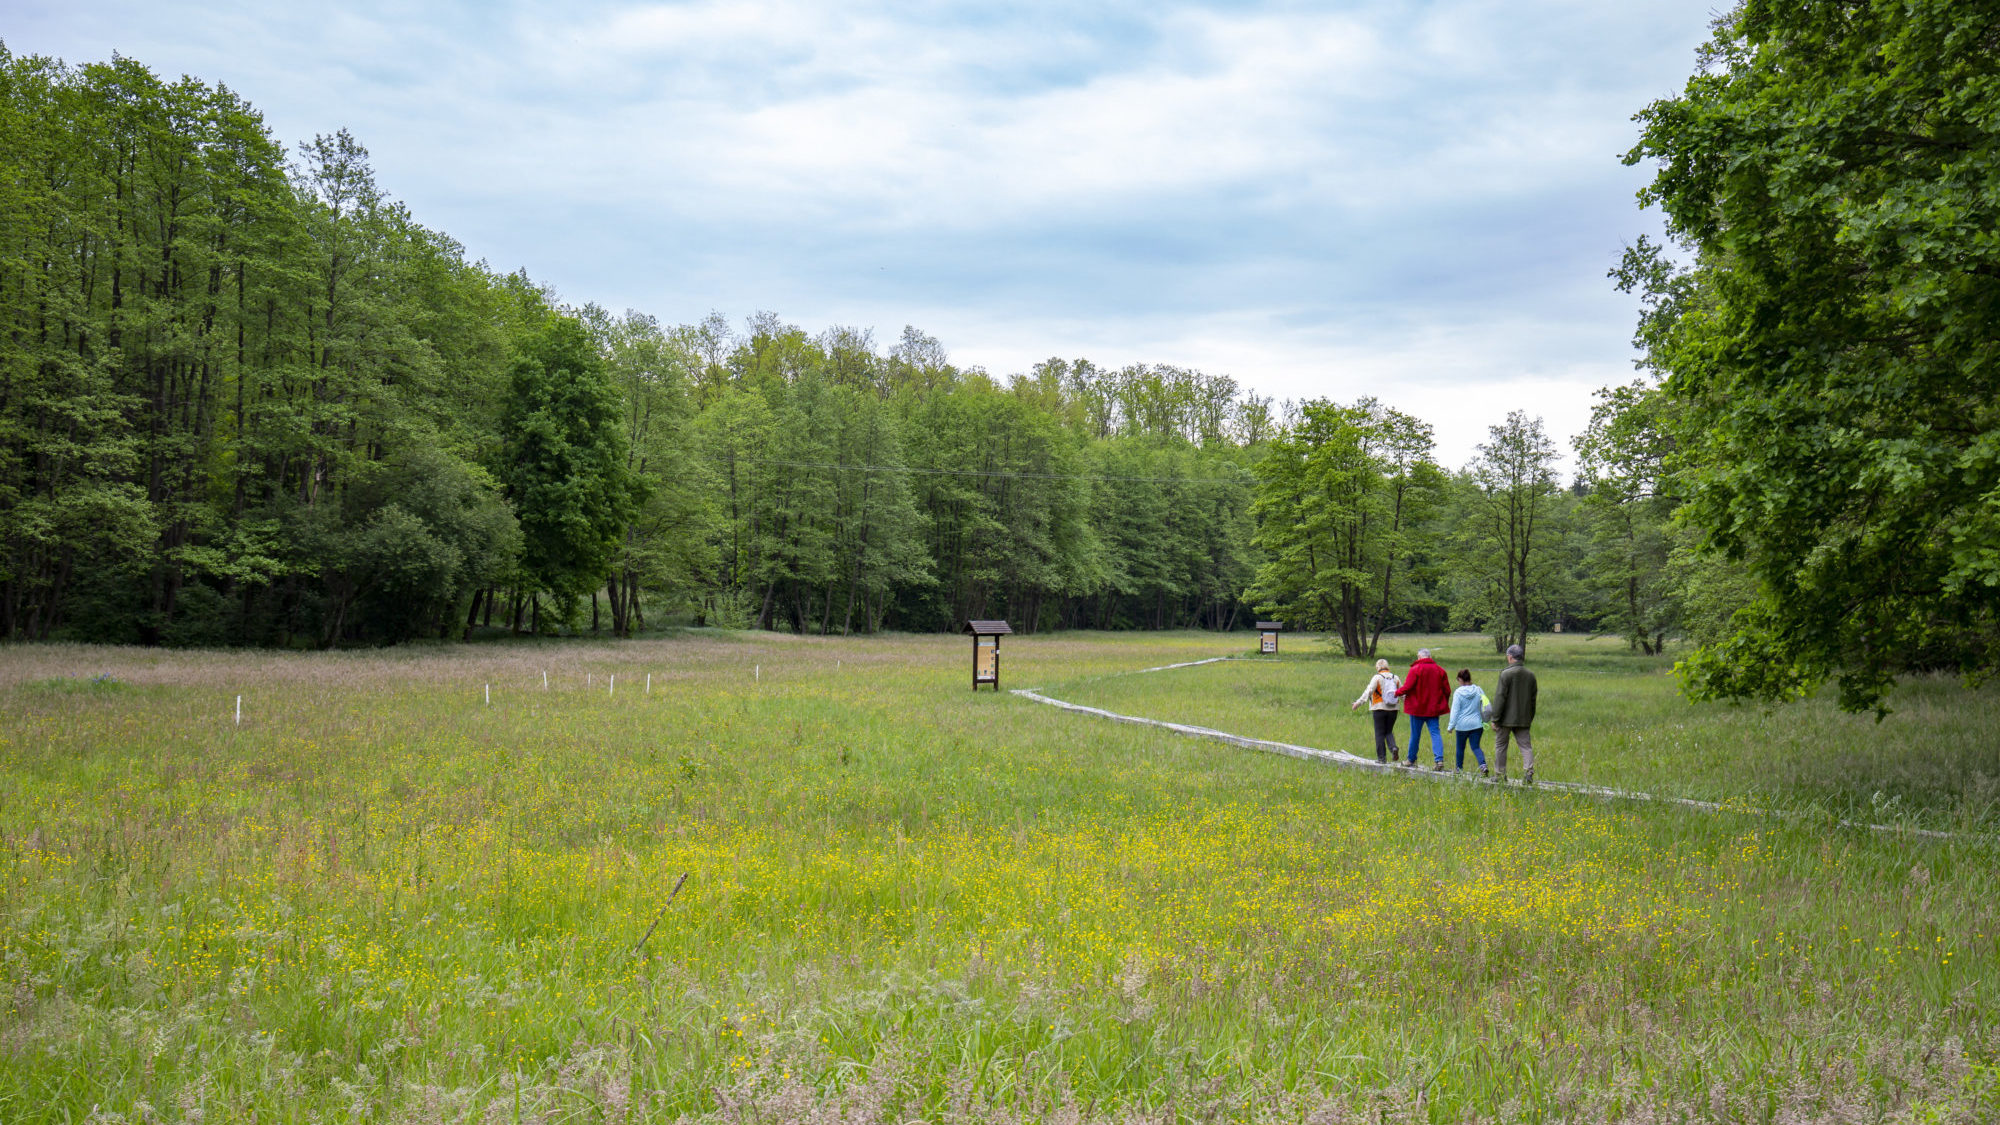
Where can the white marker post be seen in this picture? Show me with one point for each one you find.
(757, 673)
(239, 710)
(489, 695)
(649, 683)
(545, 679)
(614, 684)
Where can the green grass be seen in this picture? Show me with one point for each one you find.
(380, 898)
(1609, 717)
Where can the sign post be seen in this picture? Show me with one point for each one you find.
(1268, 631)
(986, 651)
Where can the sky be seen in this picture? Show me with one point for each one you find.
(1417, 201)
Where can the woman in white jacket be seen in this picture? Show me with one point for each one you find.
(1380, 696)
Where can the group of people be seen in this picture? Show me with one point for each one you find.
(1425, 695)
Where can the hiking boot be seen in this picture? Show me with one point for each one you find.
(1501, 777)
(1529, 777)
(1437, 767)
(1484, 772)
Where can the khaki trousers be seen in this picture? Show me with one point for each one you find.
(1501, 735)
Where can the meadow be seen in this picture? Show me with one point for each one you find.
(418, 885)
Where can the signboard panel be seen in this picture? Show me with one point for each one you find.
(986, 651)
(1268, 639)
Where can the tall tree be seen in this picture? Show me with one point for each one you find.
(1622, 458)
(1515, 475)
(564, 463)
(668, 546)
(1834, 170)
(1339, 498)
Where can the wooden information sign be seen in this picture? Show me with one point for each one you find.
(986, 651)
(1268, 639)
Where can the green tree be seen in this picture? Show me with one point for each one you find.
(668, 547)
(1515, 477)
(1622, 457)
(1834, 170)
(564, 463)
(1341, 496)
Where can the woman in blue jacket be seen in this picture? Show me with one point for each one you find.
(1468, 719)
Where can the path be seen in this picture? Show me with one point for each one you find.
(1355, 761)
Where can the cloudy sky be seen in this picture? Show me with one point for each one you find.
(1413, 200)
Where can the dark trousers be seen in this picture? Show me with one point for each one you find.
(1473, 736)
(1385, 735)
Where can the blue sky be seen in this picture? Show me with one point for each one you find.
(1413, 200)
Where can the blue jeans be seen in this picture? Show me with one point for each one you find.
(1417, 736)
(1472, 736)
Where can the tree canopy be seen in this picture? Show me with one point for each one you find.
(247, 398)
(1831, 353)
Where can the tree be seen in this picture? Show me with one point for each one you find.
(1339, 497)
(564, 463)
(1515, 474)
(1622, 457)
(668, 546)
(1834, 350)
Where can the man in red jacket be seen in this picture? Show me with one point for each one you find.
(1426, 694)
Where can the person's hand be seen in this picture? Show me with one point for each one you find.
(1354, 707)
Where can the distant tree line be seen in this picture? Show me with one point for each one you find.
(248, 399)
(245, 398)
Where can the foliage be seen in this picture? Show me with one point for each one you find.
(1340, 500)
(1513, 500)
(564, 462)
(1628, 505)
(250, 400)
(1833, 353)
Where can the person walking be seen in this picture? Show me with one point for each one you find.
(1380, 696)
(1468, 719)
(1426, 695)
(1513, 714)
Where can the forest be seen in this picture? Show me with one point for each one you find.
(247, 398)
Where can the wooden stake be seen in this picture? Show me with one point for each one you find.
(663, 910)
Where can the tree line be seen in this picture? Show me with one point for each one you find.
(246, 398)
(249, 399)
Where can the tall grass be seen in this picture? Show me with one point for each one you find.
(1608, 717)
(380, 898)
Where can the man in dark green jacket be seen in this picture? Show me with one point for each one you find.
(1513, 714)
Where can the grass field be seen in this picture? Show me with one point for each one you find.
(382, 898)
(1609, 717)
